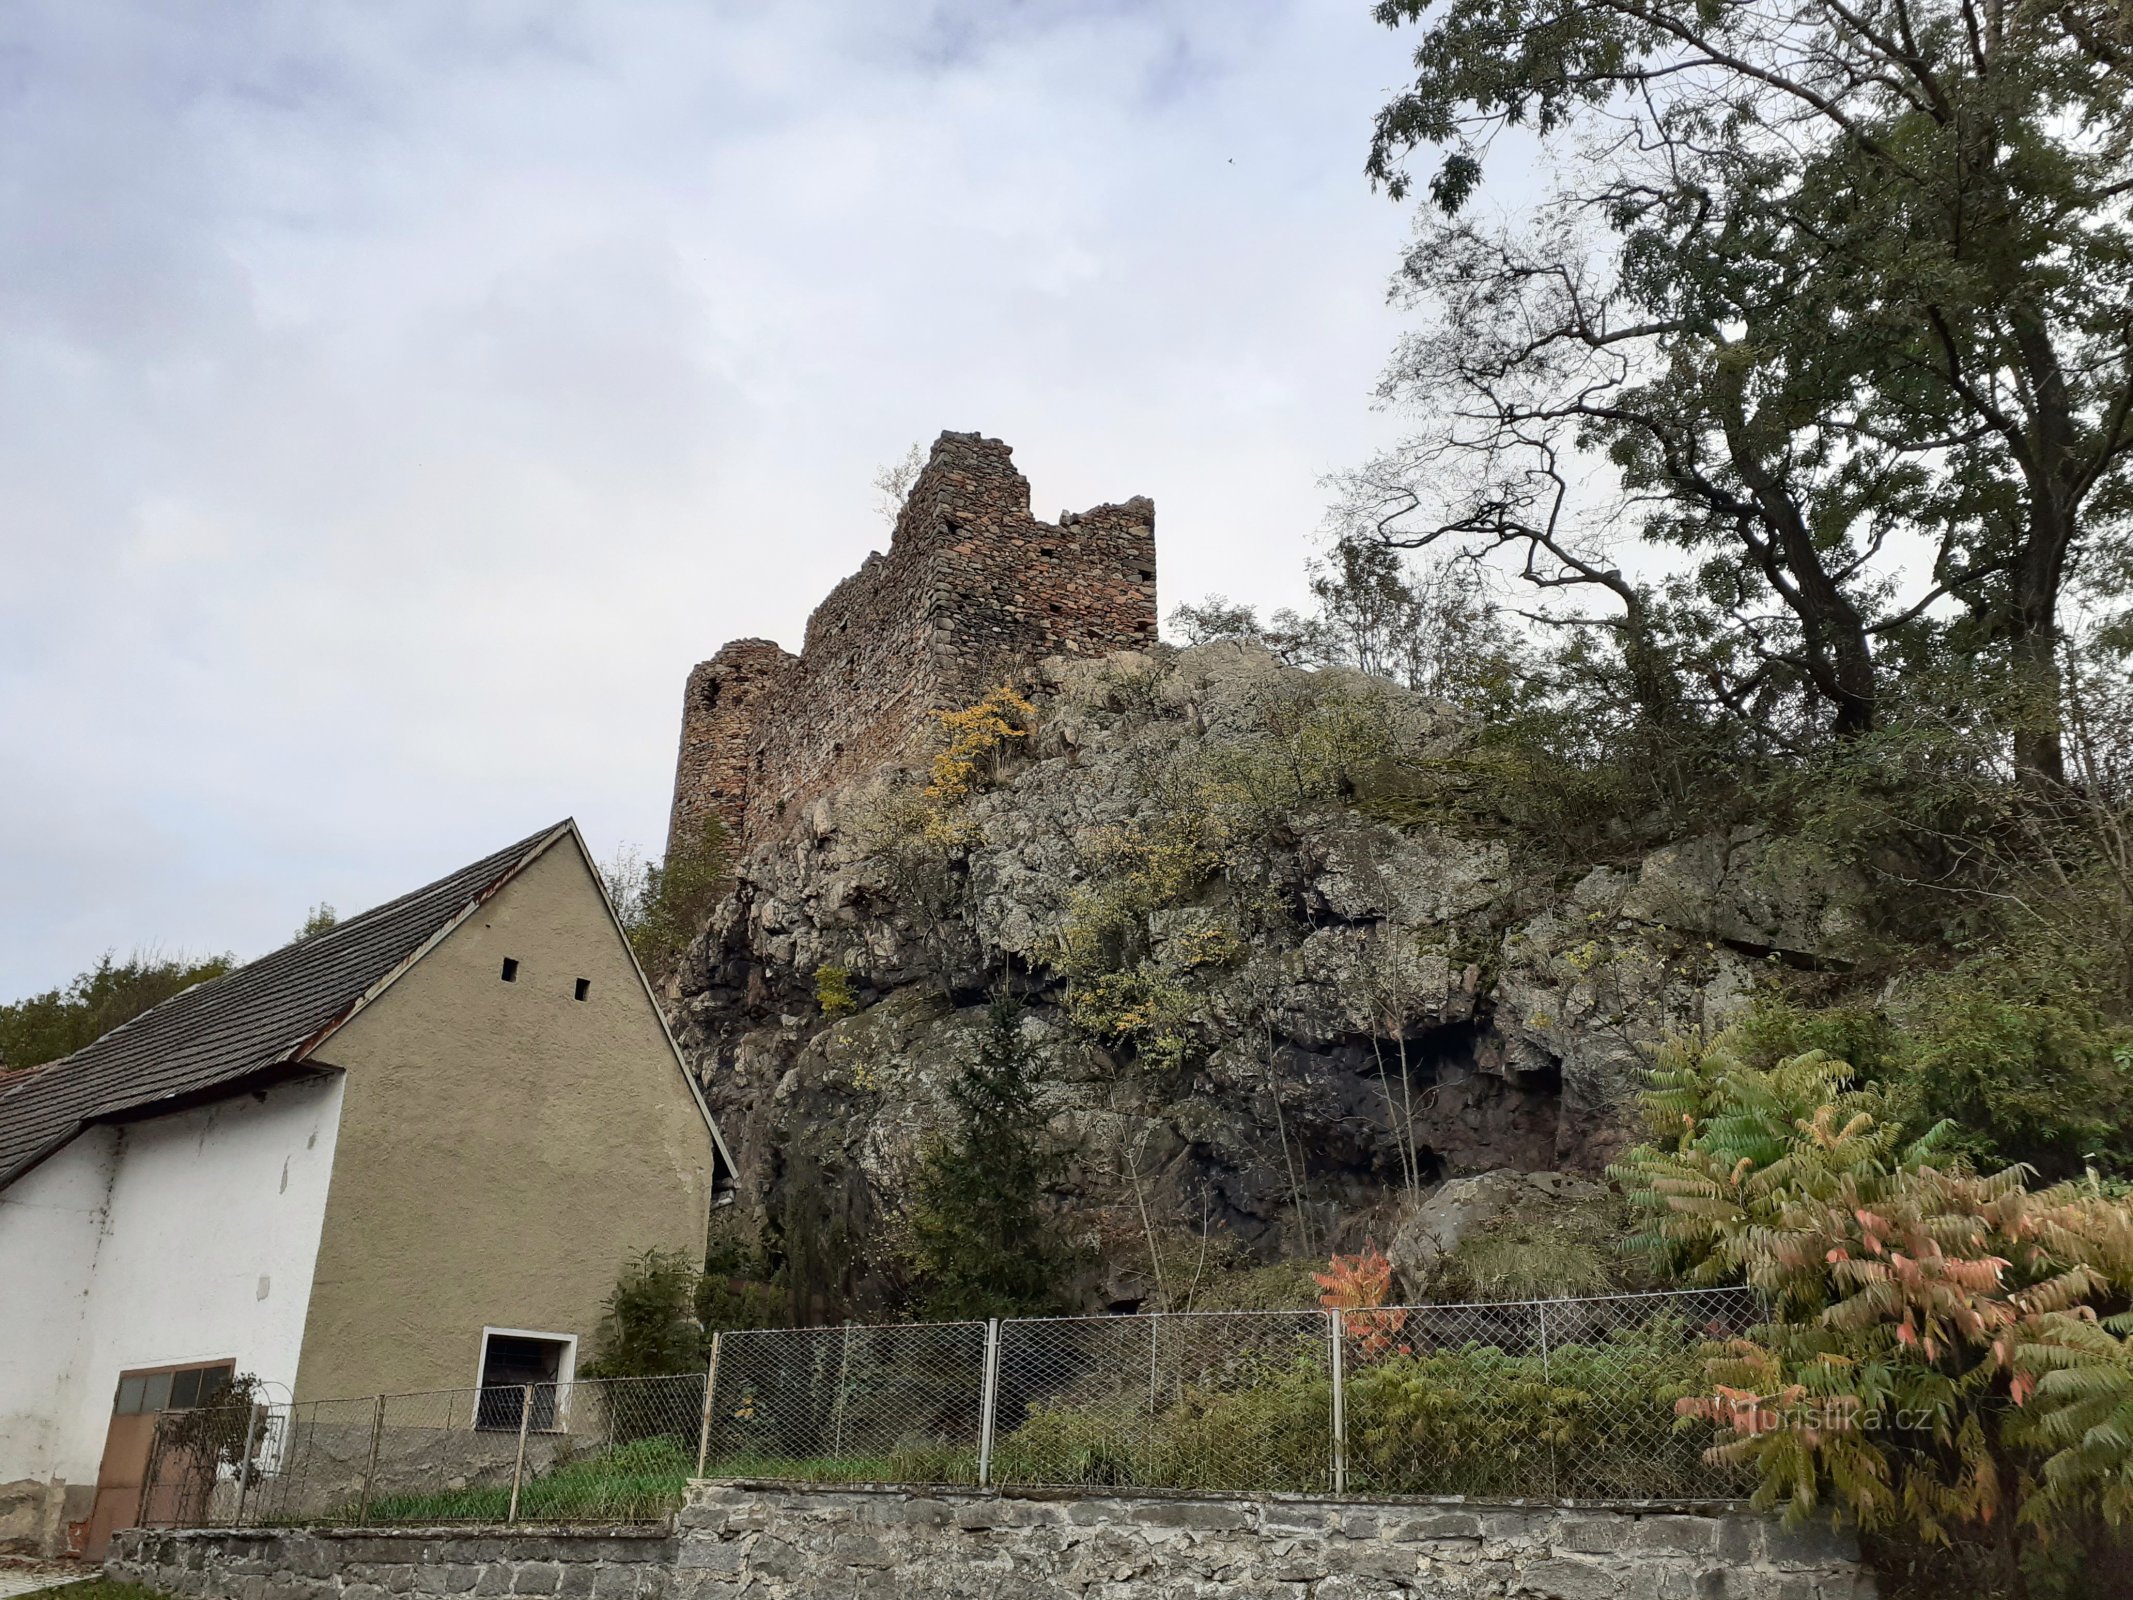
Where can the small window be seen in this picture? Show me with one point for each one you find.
(1046, 551)
(585, 987)
(180, 1390)
(1147, 576)
(510, 970)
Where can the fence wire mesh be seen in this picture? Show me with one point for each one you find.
(1558, 1399)
(612, 1450)
(1219, 1400)
(894, 1404)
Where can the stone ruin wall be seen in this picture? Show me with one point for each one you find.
(972, 590)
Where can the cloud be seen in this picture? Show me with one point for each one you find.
(396, 400)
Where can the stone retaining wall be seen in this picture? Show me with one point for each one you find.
(377, 1563)
(773, 1541)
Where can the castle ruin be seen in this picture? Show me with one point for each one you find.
(972, 590)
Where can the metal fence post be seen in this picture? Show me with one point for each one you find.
(1339, 1332)
(988, 1400)
(844, 1373)
(703, 1437)
(141, 1511)
(244, 1467)
(518, 1467)
(1555, 1486)
(370, 1467)
(1150, 1430)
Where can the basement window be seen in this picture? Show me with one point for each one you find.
(510, 970)
(523, 1374)
(585, 987)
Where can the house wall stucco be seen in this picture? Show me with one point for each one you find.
(504, 1146)
(184, 1237)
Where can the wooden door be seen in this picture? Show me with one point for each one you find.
(142, 1396)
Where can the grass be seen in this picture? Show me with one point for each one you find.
(638, 1482)
(644, 1481)
(104, 1589)
(922, 1464)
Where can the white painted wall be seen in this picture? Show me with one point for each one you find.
(187, 1237)
(51, 1222)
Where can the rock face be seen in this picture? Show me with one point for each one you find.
(1274, 988)
(1461, 1207)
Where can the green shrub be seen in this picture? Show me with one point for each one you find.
(1592, 1418)
(1587, 1420)
(1269, 1429)
(833, 991)
(664, 905)
(648, 1326)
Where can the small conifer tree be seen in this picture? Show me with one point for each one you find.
(979, 1226)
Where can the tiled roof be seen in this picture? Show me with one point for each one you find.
(274, 1011)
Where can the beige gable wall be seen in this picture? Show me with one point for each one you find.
(503, 1146)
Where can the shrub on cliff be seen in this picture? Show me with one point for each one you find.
(663, 905)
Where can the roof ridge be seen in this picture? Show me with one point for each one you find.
(274, 1010)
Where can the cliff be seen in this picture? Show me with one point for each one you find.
(1284, 967)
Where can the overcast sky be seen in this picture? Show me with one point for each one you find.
(396, 400)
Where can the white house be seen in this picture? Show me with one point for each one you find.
(410, 1152)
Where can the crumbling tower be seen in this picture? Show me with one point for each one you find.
(972, 588)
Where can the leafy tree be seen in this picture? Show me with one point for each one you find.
(1934, 1364)
(1833, 287)
(317, 920)
(648, 1325)
(60, 1021)
(893, 483)
(1215, 620)
(2012, 1052)
(979, 1228)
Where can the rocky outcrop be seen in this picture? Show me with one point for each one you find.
(1272, 996)
(1461, 1208)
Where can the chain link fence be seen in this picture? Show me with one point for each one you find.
(1546, 1400)
(893, 1404)
(612, 1450)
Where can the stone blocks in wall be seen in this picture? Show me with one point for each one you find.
(796, 1542)
(973, 590)
(378, 1563)
(790, 1542)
